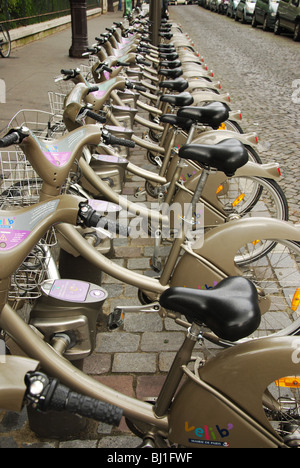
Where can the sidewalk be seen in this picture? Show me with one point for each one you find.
(30, 70)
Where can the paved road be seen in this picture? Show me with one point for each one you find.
(259, 71)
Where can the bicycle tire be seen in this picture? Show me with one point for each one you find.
(5, 41)
(258, 197)
(277, 275)
(282, 409)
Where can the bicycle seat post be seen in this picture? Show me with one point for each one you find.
(175, 374)
(191, 134)
(198, 192)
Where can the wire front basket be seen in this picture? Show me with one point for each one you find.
(19, 183)
(20, 186)
(56, 101)
(44, 125)
(26, 282)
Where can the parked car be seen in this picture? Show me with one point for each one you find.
(223, 7)
(232, 6)
(265, 13)
(288, 18)
(245, 10)
(214, 5)
(206, 4)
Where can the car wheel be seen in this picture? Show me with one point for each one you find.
(296, 36)
(236, 17)
(277, 28)
(253, 22)
(265, 24)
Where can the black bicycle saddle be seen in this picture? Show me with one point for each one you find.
(227, 156)
(168, 56)
(180, 84)
(230, 309)
(174, 120)
(212, 114)
(170, 64)
(175, 73)
(178, 100)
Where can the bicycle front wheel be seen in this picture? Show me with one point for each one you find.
(5, 42)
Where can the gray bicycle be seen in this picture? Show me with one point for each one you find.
(5, 41)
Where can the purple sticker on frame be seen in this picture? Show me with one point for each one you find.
(9, 239)
(58, 158)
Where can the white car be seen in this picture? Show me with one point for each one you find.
(245, 10)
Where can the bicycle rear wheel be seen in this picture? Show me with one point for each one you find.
(277, 278)
(5, 42)
(282, 409)
(253, 196)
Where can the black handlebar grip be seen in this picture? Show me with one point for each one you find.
(139, 88)
(115, 141)
(69, 72)
(141, 61)
(64, 399)
(9, 140)
(106, 68)
(122, 64)
(93, 89)
(114, 227)
(95, 116)
(91, 408)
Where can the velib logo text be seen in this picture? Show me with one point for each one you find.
(7, 223)
(2, 92)
(208, 435)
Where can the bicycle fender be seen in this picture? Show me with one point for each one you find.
(222, 242)
(209, 96)
(265, 171)
(213, 137)
(235, 116)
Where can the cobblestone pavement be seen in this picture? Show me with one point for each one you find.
(135, 359)
(260, 72)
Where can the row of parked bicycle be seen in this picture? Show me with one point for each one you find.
(280, 16)
(233, 279)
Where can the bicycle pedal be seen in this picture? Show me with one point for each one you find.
(139, 192)
(115, 319)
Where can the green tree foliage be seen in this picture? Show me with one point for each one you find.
(34, 10)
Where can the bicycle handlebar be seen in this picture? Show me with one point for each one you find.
(142, 61)
(91, 218)
(110, 139)
(112, 226)
(131, 85)
(71, 73)
(95, 116)
(14, 137)
(9, 140)
(48, 394)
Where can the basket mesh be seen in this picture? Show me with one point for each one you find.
(20, 186)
